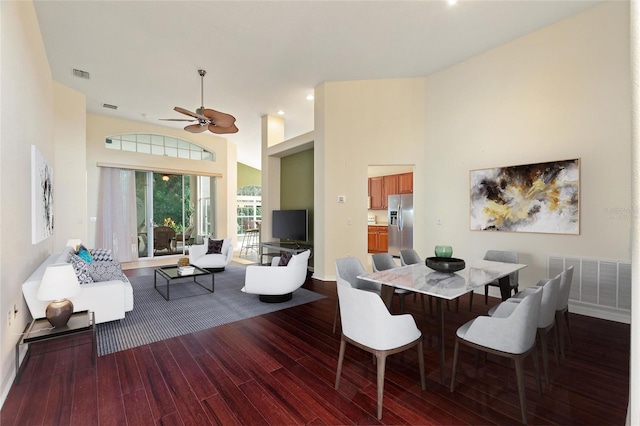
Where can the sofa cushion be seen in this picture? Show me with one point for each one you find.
(284, 259)
(81, 269)
(214, 246)
(102, 255)
(101, 271)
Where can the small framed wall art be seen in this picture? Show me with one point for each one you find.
(542, 197)
(41, 197)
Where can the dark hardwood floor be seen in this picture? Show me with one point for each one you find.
(279, 369)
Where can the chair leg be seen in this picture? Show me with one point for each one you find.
(382, 358)
(470, 300)
(520, 377)
(559, 332)
(343, 344)
(423, 382)
(486, 294)
(555, 343)
(402, 302)
(545, 356)
(455, 363)
(335, 317)
(566, 316)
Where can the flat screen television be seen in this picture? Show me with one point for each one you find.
(290, 225)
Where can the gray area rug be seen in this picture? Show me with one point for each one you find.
(190, 309)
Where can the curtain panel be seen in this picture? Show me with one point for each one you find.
(116, 223)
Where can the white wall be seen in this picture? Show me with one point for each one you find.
(26, 119)
(558, 93)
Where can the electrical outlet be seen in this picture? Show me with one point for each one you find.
(9, 316)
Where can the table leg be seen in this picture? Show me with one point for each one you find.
(505, 287)
(440, 314)
(93, 337)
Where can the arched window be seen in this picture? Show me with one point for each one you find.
(166, 146)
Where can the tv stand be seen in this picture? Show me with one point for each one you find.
(275, 248)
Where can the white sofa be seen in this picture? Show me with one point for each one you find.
(109, 300)
(216, 261)
(277, 283)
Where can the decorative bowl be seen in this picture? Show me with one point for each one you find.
(445, 264)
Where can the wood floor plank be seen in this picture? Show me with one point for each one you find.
(279, 368)
(158, 394)
(183, 396)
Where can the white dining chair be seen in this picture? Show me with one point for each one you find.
(368, 325)
(382, 262)
(348, 269)
(499, 256)
(512, 337)
(546, 317)
(411, 257)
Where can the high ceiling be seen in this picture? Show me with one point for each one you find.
(264, 56)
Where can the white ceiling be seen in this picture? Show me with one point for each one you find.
(265, 56)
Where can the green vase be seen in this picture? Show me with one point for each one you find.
(444, 251)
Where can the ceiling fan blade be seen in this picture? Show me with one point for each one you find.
(189, 113)
(221, 119)
(195, 128)
(175, 119)
(222, 130)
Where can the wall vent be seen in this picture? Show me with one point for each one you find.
(81, 74)
(600, 284)
(109, 106)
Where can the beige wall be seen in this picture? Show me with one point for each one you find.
(363, 123)
(100, 127)
(558, 93)
(25, 119)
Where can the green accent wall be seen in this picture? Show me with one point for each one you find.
(248, 176)
(296, 184)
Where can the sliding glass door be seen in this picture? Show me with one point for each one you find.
(164, 213)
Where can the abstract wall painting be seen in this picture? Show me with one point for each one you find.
(543, 197)
(41, 197)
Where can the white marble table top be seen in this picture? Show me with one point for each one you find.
(421, 279)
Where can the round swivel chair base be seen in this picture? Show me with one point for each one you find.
(275, 298)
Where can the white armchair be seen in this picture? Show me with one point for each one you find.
(276, 283)
(215, 261)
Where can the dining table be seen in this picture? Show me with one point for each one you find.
(443, 285)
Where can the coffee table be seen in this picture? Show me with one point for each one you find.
(171, 274)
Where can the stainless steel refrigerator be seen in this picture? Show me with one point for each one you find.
(400, 223)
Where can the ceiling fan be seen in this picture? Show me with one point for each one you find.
(207, 119)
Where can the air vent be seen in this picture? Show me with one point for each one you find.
(81, 74)
(109, 106)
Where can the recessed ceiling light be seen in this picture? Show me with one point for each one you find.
(281, 112)
(309, 97)
(452, 2)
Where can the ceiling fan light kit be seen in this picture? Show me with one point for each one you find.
(206, 118)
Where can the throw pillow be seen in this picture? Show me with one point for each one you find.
(102, 255)
(105, 271)
(84, 254)
(284, 259)
(81, 269)
(215, 247)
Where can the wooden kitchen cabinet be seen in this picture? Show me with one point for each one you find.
(376, 192)
(390, 187)
(405, 183)
(377, 239)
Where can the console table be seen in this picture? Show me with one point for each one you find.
(275, 248)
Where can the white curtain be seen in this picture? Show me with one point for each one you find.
(116, 223)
